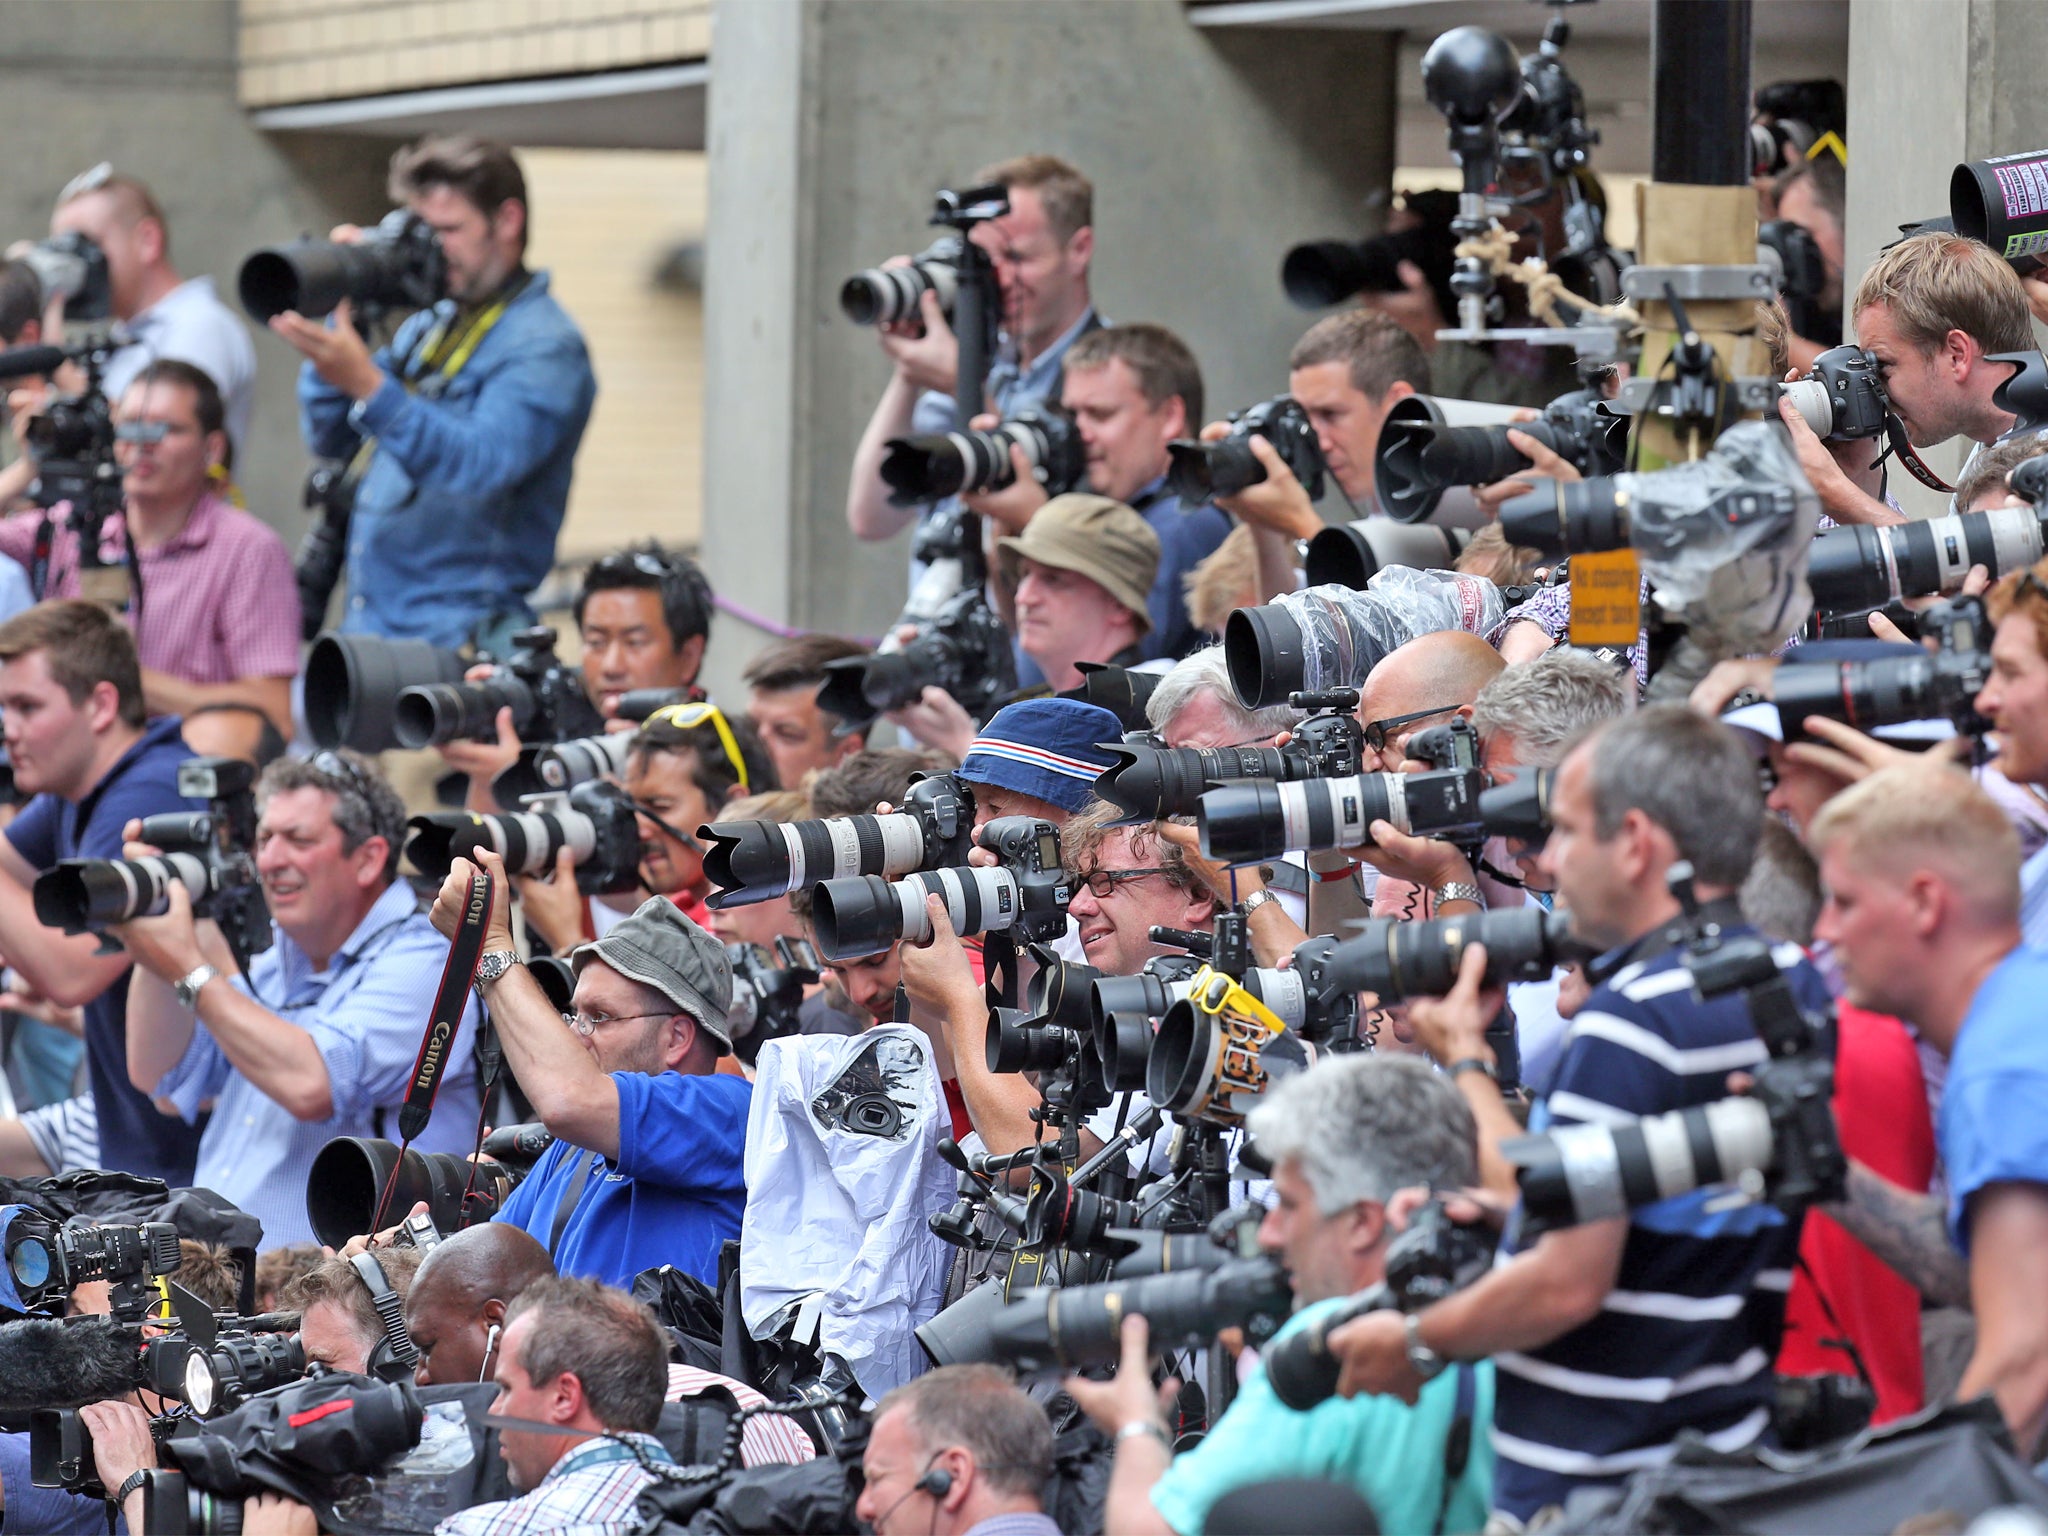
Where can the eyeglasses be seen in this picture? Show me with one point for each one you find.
(86, 181)
(584, 1025)
(688, 717)
(646, 563)
(333, 765)
(1377, 733)
(1101, 882)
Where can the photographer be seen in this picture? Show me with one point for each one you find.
(961, 1451)
(1932, 309)
(590, 1364)
(1343, 1138)
(320, 1039)
(81, 743)
(1922, 874)
(1083, 569)
(1613, 1337)
(165, 317)
(644, 617)
(473, 414)
(1347, 371)
(1041, 249)
(1813, 195)
(782, 700)
(1131, 390)
(339, 1325)
(215, 611)
(645, 1169)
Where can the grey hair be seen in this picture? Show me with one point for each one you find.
(1206, 672)
(980, 1408)
(1362, 1127)
(1547, 704)
(365, 805)
(1691, 776)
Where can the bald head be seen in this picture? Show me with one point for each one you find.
(460, 1296)
(1441, 672)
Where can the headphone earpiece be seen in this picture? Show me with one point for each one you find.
(938, 1482)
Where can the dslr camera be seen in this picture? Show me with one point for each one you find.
(888, 295)
(396, 265)
(1419, 457)
(1027, 893)
(749, 861)
(1842, 396)
(547, 700)
(1151, 783)
(1200, 472)
(940, 464)
(211, 853)
(768, 991)
(1941, 685)
(595, 822)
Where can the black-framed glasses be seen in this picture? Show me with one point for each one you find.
(1101, 882)
(1376, 734)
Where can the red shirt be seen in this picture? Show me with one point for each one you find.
(1881, 1112)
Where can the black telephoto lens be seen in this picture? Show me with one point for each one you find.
(1577, 517)
(1150, 783)
(353, 682)
(1263, 648)
(1200, 472)
(1021, 1042)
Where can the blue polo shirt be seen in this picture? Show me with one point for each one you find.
(675, 1194)
(1994, 1104)
(134, 1137)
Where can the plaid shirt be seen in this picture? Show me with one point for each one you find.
(592, 1491)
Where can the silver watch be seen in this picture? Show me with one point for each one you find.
(1423, 1360)
(493, 964)
(187, 986)
(1459, 890)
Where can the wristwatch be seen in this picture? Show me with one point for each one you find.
(187, 987)
(1422, 1360)
(1256, 900)
(1472, 1064)
(1459, 890)
(493, 964)
(1149, 1428)
(133, 1481)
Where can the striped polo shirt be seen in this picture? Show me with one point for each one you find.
(1686, 1338)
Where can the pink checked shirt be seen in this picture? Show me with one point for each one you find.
(218, 600)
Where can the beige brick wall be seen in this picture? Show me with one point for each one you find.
(321, 50)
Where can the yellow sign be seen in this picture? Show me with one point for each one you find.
(1606, 598)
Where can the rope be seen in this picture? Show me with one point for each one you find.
(1494, 250)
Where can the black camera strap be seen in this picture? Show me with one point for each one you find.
(1900, 449)
(451, 997)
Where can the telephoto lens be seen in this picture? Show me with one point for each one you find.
(1261, 820)
(1398, 960)
(1122, 1012)
(1419, 458)
(1211, 1062)
(353, 683)
(562, 766)
(1351, 554)
(348, 1175)
(1580, 1173)
(1568, 517)
(749, 861)
(82, 895)
(1078, 1326)
(1151, 783)
(398, 264)
(437, 713)
(962, 463)
(1857, 567)
(595, 823)
(887, 295)
(1519, 810)
(1022, 1041)
(865, 914)
(1913, 685)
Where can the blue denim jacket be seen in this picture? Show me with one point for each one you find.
(455, 522)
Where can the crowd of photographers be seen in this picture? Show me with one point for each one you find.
(1223, 1021)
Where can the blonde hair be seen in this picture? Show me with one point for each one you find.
(1929, 816)
(1067, 196)
(1934, 283)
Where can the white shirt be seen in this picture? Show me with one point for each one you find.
(192, 325)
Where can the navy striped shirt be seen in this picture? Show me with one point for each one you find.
(1686, 1338)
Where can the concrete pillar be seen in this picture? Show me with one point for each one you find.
(1932, 83)
(152, 89)
(832, 122)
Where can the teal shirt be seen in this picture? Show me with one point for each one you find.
(1391, 1453)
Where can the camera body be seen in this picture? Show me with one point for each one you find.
(71, 266)
(546, 697)
(398, 264)
(940, 464)
(1199, 472)
(1942, 685)
(1842, 396)
(212, 853)
(768, 991)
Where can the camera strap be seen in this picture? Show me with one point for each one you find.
(1895, 434)
(444, 1019)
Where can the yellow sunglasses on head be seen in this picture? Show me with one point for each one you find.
(688, 717)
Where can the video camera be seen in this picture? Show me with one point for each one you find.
(215, 1362)
(349, 1174)
(1027, 893)
(768, 991)
(959, 643)
(940, 464)
(749, 861)
(44, 1262)
(594, 822)
(1419, 457)
(1199, 472)
(398, 264)
(1777, 1143)
(1151, 783)
(212, 853)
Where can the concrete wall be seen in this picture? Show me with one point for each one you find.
(832, 122)
(152, 88)
(1932, 83)
(318, 50)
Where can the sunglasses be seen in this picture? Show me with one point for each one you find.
(86, 181)
(333, 765)
(1377, 733)
(688, 717)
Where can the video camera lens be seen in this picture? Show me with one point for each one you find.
(353, 682)
(865, 914)
(1351, 554)
(1857, 567)
(349, 1173)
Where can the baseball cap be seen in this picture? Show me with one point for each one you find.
(660, 948)
(1049, 749)
(1095, 537)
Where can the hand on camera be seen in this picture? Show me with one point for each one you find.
(483, 761)
(453, 900)
(926, 356)
(1453, 1027)
(1851, 756)
(1543, 465)
(121, 1445)
(1840, 497)
(936, 975)
(1014, 505)
(936, 720)
(364, 1242)
(1725, 679)
(338, 354)
(1278, 503)
(1128, 1397)
(1374, 1352)
(1975, 584)
(554, 907)
(1425, 861)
